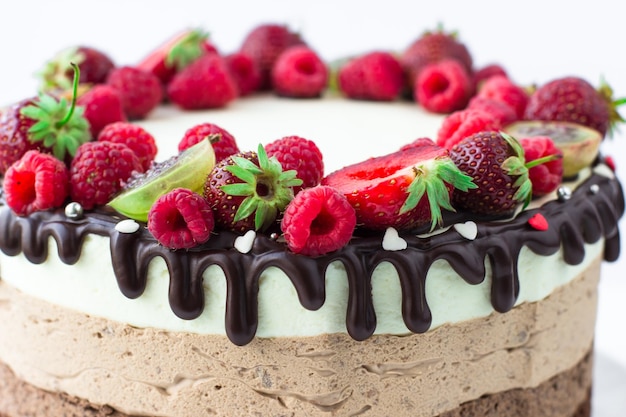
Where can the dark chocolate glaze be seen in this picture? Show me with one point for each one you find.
(585, 218)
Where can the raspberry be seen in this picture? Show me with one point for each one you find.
(141, 91)
(135, 137)
(501, 111)
(299, 72)
(244, 71)
(460, 124)
(103, 105)
(36, 182)
(223, 148)
(301, 155)
(443, 87)
(181, 219)
(488, 71)
(373, 76)
(317, 221)
(500, 88)
(206, 83)
(547, 176)
(99, 170)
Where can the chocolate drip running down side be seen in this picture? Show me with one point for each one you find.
(592, 213)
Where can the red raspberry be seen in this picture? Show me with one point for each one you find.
(488, 71)
(501, 111)
(301, 155)
(135, 137)
(36, 182)
(460, 124)
(500, 88)
(141, 91)
(299, 72)
(103, 105)
(99, 170)
(443, 87)
(206, 83)
(223, 148)
(317, 221)
(548, 176)
(373, 76)
(244, 71)
(181, 219)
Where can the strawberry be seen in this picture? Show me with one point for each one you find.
(433, 47)
(264, 44)
(404, 190)
(299, 72)
(176, 54)
(373, 76)
(45, 123)
(249, 190)
(206, 83)
(94, 67)
(573, 99)
(103, 105)
(495, 162)
(140, 91)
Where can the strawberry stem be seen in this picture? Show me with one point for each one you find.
(543, 160)
(69, 114)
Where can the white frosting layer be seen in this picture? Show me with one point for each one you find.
(346, 132)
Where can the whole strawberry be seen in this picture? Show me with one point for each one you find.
(573, 99)
(249, 190)
(495, 162)
(404, 190)
(93, 63)
(299, 154)
(374, 76)
(140, 91)
(264, 44)
(204, 84)
(45, 123)
(433, 47)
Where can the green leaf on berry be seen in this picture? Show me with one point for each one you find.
(515, 165)
(187, 50)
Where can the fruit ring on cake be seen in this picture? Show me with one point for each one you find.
(320, 266)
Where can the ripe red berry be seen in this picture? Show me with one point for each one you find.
(463, 123)
(301, 155)
(443, 87)
(244, 71)
(482, 74)
(224, 146)
(500, 110)
(206, 83)
(103, 105)
(141, 91)
(99, 170)
(181, 219)
(139, 140)
(318, 220)
(36, 182)
(501, 88)
(299, 72)
(93, 63)
(545, 177)
(373, 76)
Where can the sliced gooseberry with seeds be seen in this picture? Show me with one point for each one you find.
(189, 169)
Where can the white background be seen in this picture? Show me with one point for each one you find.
(535, 40)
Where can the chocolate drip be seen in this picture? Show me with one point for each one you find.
(592, 212)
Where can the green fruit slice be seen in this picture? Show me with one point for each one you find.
(189, 169)
(579, 144)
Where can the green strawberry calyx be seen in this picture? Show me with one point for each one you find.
(430, 180)
(515, 166)
(266, 187)
(54, 73)
(615, 118)
(186, 50)
(58, 125)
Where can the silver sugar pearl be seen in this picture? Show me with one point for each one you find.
(564, 193)
(74, 210)
(274, 236)
(594, 189)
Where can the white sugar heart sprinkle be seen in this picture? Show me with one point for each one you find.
(604, 170)
(127, 226)
(468, 230)
(392, 241)
(244, 243)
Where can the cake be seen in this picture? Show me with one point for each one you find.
(478, 317)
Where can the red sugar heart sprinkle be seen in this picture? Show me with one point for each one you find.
(538, 222)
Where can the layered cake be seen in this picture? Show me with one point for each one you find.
(449, 308)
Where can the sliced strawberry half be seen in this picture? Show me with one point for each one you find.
(404, 190)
